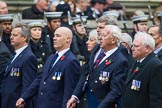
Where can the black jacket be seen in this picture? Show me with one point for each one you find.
(32, 13)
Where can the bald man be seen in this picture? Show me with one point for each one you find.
(59, 78)
(3, 8)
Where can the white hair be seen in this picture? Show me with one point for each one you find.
(115, 31)
(35, 1)
(146, 39)
(125, 37)
(93, 34)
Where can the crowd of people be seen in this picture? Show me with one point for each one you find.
(49, 59)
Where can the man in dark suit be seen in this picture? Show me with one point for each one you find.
(104, 81)
(60, 76)
(21, 69)
(156, 33)
(144, 82)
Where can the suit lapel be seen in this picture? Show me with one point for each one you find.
(92, 57)
(131, 74)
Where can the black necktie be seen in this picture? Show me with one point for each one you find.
(54, 59)
(99, 58)
(11, 58)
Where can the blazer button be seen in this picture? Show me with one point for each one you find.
(91, 90)
(44, 83)
(41, 93)
(96, 81)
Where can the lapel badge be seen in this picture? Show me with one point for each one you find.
(107, 62)
(62, 57)
(136, 85)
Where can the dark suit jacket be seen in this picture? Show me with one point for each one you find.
(53, 93)
(149, 94)
(4, 56)
(160, 55)
(106, 93)
(17, 77)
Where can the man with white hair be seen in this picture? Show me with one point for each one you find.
(103, 82)
(144, 82)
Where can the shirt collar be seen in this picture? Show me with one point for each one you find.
(18, 51)
(62, 52)
(108, 53)
(157, 50)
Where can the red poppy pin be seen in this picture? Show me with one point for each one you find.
(62, 57)
(107, 62)
(136, 70)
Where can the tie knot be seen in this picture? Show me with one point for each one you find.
(138, 62)
(14, 53)
(56, 55)
(101, 54)
(54, 59)
(102, 51)
(99, 58)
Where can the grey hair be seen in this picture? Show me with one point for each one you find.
(25, 30)
(146, 39)
(125, 37)
(109, 20)
(93, 34)
(115, 31)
